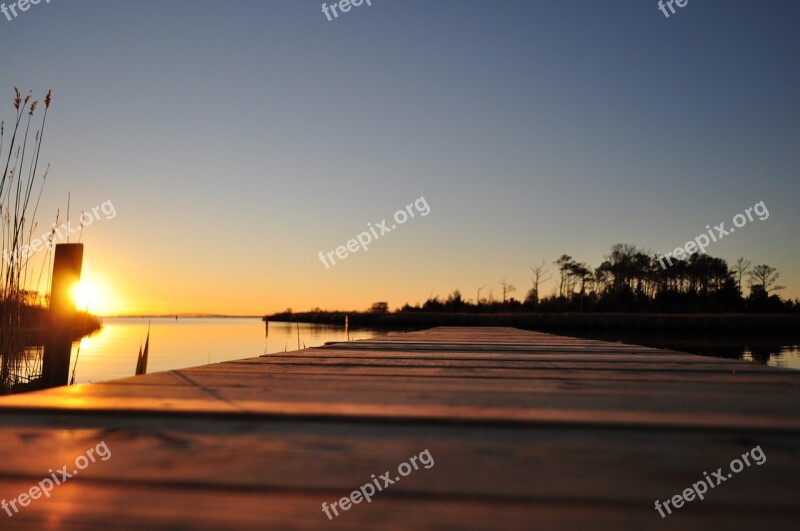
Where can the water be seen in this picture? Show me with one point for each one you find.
(111, 353)
(774, 351)
(189, 342)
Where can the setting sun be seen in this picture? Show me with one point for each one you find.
(95, 297)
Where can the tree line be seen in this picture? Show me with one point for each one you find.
(631, 279)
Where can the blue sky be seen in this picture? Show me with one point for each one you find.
(238, 139)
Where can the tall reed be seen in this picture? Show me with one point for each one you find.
(18, 207)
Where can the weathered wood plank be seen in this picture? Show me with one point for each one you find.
(229, 372)
(545, 362)
(552, 409)
(469, 461)
(89, 506)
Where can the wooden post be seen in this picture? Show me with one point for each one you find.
(67, 266)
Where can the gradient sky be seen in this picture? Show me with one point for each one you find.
(238, 139)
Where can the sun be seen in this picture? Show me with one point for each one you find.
(84, 294)
(94, 296)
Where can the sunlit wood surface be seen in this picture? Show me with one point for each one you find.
(527, 430)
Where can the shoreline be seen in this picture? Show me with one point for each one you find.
(737, 324)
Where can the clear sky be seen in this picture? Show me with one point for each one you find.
(238, 139)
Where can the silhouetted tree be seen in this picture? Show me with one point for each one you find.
(478, 296)
(764, 278)
(379, 307)
(540, 274)
(741, 267)
(454, 301)
(433, 305)
(623, 271)
(581, 273)
(507, 288)
(565, 270)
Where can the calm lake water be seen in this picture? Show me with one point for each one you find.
(111, 353)
(189, 342)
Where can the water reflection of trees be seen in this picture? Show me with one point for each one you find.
(762, 354)
(759, 352)
(735, 347)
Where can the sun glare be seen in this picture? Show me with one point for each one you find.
(85, 295)
(95, 297)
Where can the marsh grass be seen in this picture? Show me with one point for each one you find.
(22, 314)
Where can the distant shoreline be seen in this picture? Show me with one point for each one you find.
(182, 316)
(753, 324)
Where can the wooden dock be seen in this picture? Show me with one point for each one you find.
(525, 430)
